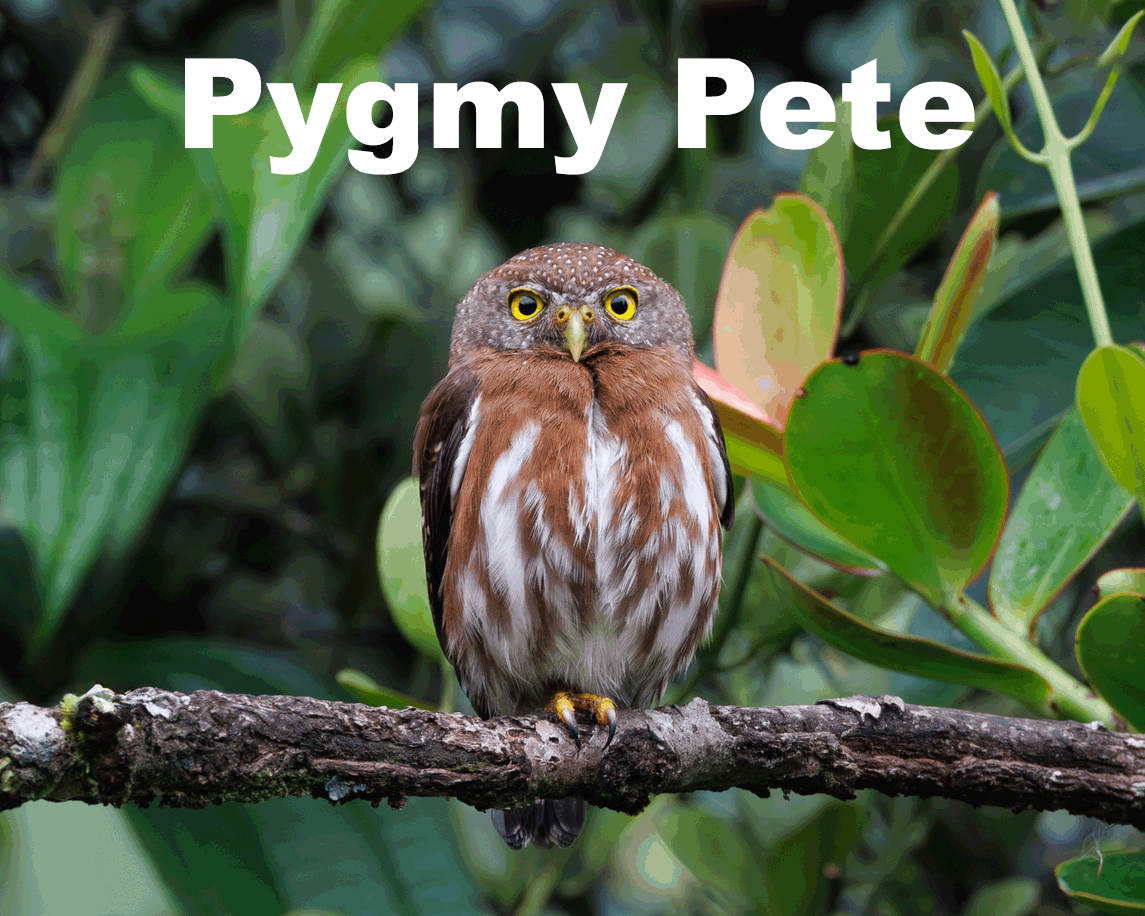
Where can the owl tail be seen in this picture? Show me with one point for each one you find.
(545, 823)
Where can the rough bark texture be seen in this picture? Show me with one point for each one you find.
(210, 747)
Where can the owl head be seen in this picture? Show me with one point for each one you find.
(568, 298)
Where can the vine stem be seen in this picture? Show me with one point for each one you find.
(1057, 161)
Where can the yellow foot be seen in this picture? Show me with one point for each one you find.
(565, 705)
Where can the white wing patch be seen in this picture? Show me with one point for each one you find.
(463, 450)
(503, 553)
(715, 457)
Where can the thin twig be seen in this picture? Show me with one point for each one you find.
(82, 88)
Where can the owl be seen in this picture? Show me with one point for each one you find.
(574, 482)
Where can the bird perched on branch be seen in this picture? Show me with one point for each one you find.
(573, 484)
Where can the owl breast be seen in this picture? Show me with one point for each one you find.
(585, 549)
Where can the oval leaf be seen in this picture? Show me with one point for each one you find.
(992, 82)
(777, 314)
(1111, 400)
(793, 521)
(401, 566)
(1067, 509)
(1111, 651)
(1121, 580)
(910, 654)
(1115, 883)
(893, 457)
(958, 292)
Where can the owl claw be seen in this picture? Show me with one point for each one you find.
(564, 705)
(568, 716)
(603, 710)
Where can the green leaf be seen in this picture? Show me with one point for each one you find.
(1020, 364)
(797, 862)
(711, 848)
(1068, 507)
(341, 31)
(366, 690)
(265, 218)
(127, 195)
(829, 173)
(108, 872)
(109, 420)
(862, 192)
(1111, 401)
(1120, 44)
(1111, 651)
(1121, 580)
(690, 251)
(883, 181)
(793, 522)
(1111, 56)
(1111, 883)
(777, 315)
(954, 301)
(899, 652)
(889, 454)
(1018, 896)
(754, 440)
(992, 83)
(401, 565)
(215, 862)
(29, 315)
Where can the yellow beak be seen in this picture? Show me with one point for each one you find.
(576, 335)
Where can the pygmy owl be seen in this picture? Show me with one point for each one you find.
(573, 484)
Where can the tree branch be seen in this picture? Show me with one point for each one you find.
(209, 747)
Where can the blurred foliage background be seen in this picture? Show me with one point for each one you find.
(213, 526)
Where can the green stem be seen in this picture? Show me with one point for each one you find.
(1061, 171)
(1069, 699)
(1057, 153)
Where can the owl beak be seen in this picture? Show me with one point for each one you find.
(575, 333)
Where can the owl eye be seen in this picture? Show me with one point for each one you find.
(525, 304)
(621, 303)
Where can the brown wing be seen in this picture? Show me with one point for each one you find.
(437, 456)
(715, 436)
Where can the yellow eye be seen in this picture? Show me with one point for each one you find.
(526, 304)
(621, 303)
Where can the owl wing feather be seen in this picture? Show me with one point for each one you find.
(438, 459)
(715, 436)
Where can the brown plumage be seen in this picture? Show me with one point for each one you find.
(573, 485)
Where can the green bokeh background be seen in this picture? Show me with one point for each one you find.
(252, 567)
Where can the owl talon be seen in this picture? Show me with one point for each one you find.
(610, 715)
(564, 705)
(569, 718)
